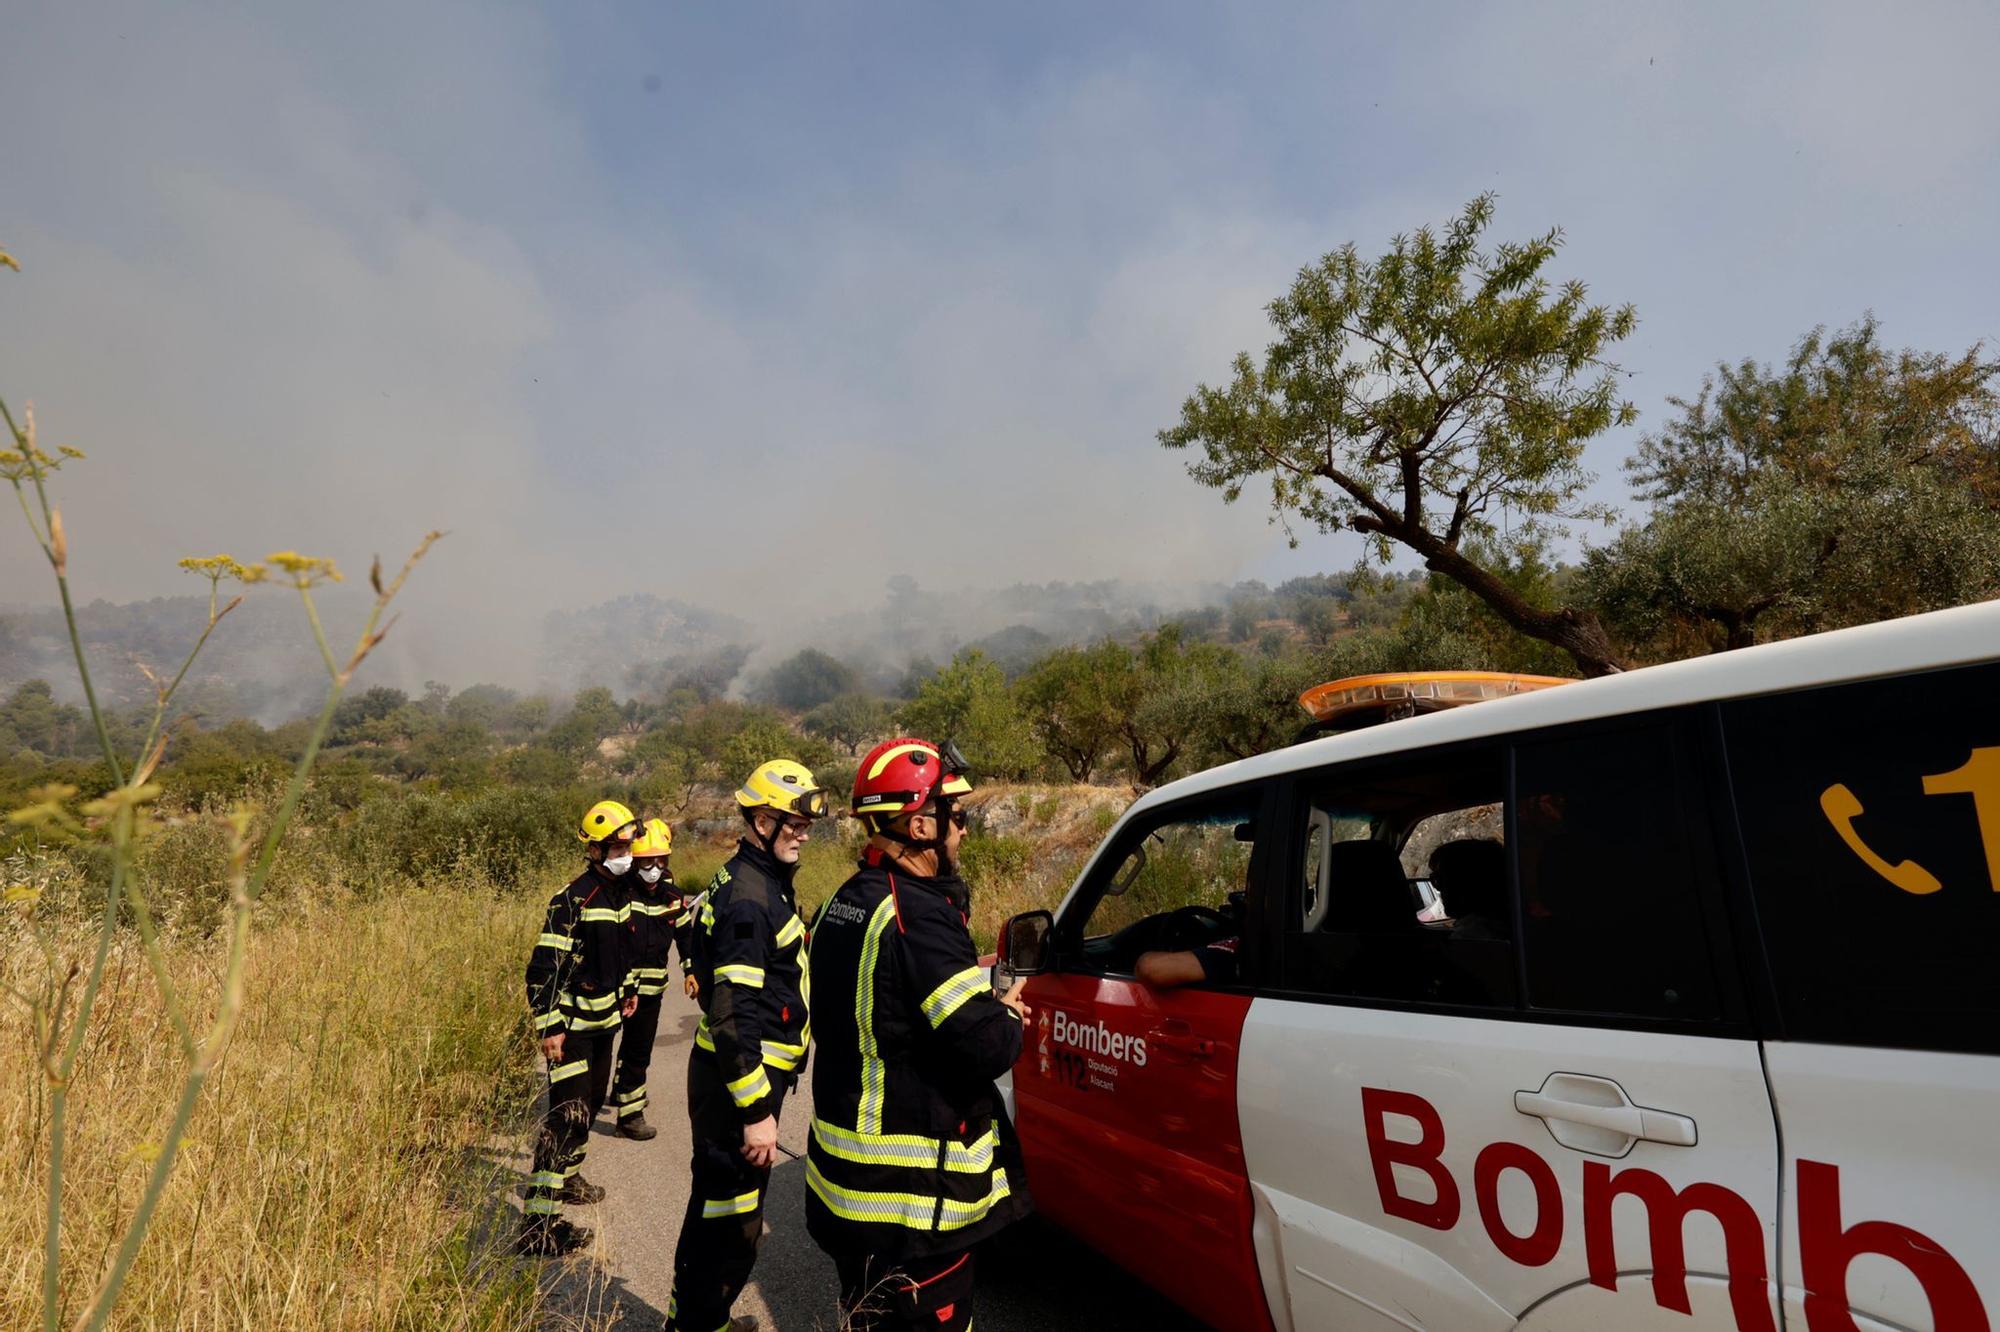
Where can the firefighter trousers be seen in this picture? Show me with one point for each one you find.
(725, 1212)
(635, 1055)
(933, 1293)
(577, 1084)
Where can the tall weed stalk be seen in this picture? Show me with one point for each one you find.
(62, 1001)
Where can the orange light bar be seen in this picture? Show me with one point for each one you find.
(1430, 689)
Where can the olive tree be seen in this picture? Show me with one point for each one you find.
(1848, 485)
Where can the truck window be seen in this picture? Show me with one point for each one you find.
(1175, 882)
(1386, 852)
(1613, 857)
(1870, 813)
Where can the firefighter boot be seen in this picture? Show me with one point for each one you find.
(580, 1192)
(636, 1128)
(549, 1237)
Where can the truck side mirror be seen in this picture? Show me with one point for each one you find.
(1024, 943)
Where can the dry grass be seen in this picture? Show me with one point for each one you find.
(341, 1171)
(338, 1172)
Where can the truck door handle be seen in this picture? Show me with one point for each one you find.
(1179, 1037)
(1610, 1121)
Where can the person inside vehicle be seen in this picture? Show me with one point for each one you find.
(1213, 963)
(1471, 876)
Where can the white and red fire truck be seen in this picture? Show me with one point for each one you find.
(1706, 1033)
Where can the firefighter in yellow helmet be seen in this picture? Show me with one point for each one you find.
(580, 988)
(749, 965)
(661, 918)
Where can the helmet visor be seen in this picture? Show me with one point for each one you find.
(954, 759)
(957, 769)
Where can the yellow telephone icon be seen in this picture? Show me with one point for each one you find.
(1841, 807)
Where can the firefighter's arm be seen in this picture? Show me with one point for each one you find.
(554, 953)
(740, 945)
(628, 984)
(952, 993)
(683, 929)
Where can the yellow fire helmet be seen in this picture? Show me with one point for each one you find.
(607, 818)
(785, 785)
(656, 840)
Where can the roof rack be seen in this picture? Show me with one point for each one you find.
(1368, 700)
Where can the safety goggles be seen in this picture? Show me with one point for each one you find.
(808, 805)
(953, 759)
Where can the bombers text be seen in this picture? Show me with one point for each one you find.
(1098, 1040)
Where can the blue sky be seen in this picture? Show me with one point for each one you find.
(756, 304)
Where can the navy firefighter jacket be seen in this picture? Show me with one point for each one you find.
(911, 1154)
(750, 962)
(578, 974)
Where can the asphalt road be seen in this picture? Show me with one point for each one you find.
(1034, 1278)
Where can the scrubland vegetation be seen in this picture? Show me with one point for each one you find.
(334, 1022)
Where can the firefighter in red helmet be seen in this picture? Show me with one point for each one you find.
(910, 1038)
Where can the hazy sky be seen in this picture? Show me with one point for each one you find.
(757, 304)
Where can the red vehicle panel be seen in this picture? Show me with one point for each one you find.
(1125, 1099)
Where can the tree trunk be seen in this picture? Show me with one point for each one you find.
(1577, 632)
(1150, 773)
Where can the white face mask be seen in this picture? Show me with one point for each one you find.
(617, 864)
(651, 875)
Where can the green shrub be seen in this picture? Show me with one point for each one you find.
(502, 837)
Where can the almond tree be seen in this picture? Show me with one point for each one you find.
(1441, 393)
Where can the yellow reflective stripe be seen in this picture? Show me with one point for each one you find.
(897, 1149)
(546, 1179)
(541, 1206)
(589, 1003)
(869, 1120)
(651, 908)
(606, 915)
(612, 1019)
(741, 973)
(951, 996)
(650, 973)
(778, 1054)
(737, 1206)
(652, 991)
(783, 1057)
(543, 1021)
(560, 942)
(569, 1070)
(751, 1087)
(975, 1157)
(908, 1149)
(914, 1210)
(794, 929)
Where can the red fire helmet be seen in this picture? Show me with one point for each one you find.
(902, 775)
